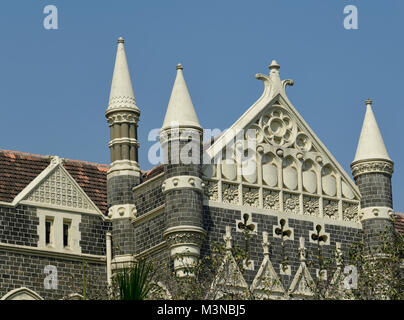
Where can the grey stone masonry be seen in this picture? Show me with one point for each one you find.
(184, 207)
(375, 190)
(148, 197)
(119, 189)
(123, 237)
(93, 230)
(376, 232)
(216, 220)
(149, 233)
(19, 226)
(27, 270)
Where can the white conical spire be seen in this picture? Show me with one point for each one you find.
(121, 95)
(371, 144)
(180, 110)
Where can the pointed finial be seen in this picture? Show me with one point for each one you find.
(302, 250)
(120, 40)
(179, 67)
(274, 65)
(265, 243)
(227, 238)
(368, 102)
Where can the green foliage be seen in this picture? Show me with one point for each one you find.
(134, 282)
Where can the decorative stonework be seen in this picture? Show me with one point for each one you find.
(311, 206)
(182, 182)
(211, 191)
(251, 197)
(271, 200)
(58, 189)
(122, 116)
(382, 166)
(302, 285)
(330, 209)
(122, 102)
(185, 237)
(122, 211)
(276, 127)
(291, 203)
(350, 212)
(230, 193)
(267, 283)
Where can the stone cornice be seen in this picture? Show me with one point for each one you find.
(184, 235)
(121, 115)
(182, 182)
(56, 254)
(372, 166)
(148, 215)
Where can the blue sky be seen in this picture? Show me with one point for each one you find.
(55, 84)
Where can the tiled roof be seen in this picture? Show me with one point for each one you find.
(18, 169)
(399, 222)
(147, 175)
(92, 178)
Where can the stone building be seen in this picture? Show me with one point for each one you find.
(62, 220)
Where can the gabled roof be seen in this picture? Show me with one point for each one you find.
(275, 93)
(19, 169)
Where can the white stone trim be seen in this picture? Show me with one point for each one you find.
(58, 218)
(249, 221)
(322, 232)
(376, 213)
(148, 215)
(55, 163)
(131, 141)
(21, 294)
(283, 215)
(183, 229)
(267, 99)
(372, 165)
(182, 182)
(122, 211)
(151, 250)
(285, 227)
(48, 253)
(124, 168)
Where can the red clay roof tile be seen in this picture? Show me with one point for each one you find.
(18, 169)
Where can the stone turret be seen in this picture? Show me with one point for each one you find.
(124, 173)
(372, 170)
(181, 141)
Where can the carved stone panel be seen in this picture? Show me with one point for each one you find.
(291, 202)
(230, 193)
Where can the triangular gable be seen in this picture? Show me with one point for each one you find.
(289, 156)
(228, 280)
(266, 283)
(55, 188)
(302, 285)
